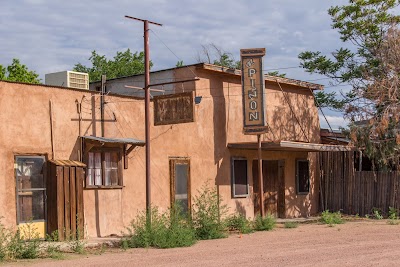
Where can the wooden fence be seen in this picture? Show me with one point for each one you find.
(65, 199)
(353, 192)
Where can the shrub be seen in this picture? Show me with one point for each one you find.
(19, 248)
(377, 214)
(264, 224)
(393, 216)
(53, 237)
(331, 218)
(238, 222)
(290, 225)
(54, 252)
(207, 215)
(3, 241)
(77, 246)
(167, 230)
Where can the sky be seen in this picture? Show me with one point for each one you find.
(54, 35)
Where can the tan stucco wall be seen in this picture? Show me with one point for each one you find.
(218, 121)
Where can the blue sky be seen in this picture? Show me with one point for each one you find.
(50, 36)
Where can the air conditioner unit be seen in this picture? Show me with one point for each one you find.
(70, 79)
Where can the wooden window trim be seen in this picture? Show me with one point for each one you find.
(22, 192)
(120, 167)
(172, 164)
(297, 176)
(234, 195)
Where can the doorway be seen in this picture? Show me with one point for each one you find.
(273, 185)
(31, 196)
(180, 183)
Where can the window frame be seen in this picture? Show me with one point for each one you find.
(234, 195)
(22, 192)
(120, 167)
(173, 161)
(298, 192)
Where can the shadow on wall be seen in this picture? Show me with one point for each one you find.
(297, 205)
(240, 208)
(288, 125)
(220, 138)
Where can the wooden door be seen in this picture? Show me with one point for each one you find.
(273, 185)
(180, 183)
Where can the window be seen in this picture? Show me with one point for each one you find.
(240, 187)
(104, 168)
(302, 176)
(31, 189)
(180, 183)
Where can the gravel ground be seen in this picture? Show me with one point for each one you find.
(358, 243)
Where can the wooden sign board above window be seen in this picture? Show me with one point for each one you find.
(253, 91)
(173, 109)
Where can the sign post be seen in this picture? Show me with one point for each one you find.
(253, 104)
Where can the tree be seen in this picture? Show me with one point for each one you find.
(213, 54)
(368, 27)
(122, 65)
(17, 72)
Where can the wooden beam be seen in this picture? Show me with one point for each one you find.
(130, 149)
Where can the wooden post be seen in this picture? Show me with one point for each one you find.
(260, 177)
(103, 90)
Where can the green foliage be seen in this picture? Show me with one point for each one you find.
(331, 218)
(377, 214)
(329, 100)
(123, 64)
(207, 214)
(267, 223)
(17, 72)
(393, 216)
(290, 225)
(77, 246)
(54, 252)
(368, 64)
(238, 222)
(179, 63)
(213, 54)
(363, 24)
(53, 237)
(3, 241)
(276, 74)
(166, 230)
(226, 60)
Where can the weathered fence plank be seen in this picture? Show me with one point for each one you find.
(344, 189)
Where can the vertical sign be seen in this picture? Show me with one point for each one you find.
(253, 91)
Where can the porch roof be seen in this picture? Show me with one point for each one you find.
(289, 146)
(105, 140)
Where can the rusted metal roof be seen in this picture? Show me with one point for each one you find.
(66, 162)
(130, 141)
(312, 86)
(290, 146)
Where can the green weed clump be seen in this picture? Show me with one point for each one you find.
(290, 225)
(331, 218)
(393, 216)
(54, 252)
(267, 223)
(17, 245)
(207, 213)
(166, 230)
(377, 214)
(238, 222)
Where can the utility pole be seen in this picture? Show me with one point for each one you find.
(147, 109)
(103, 91)
(260, 176)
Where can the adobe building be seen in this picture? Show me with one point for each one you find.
(65, 166)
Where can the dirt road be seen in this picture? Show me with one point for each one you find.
(373, 243)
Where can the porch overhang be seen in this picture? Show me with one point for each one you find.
(289, 146)
(95, 140)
